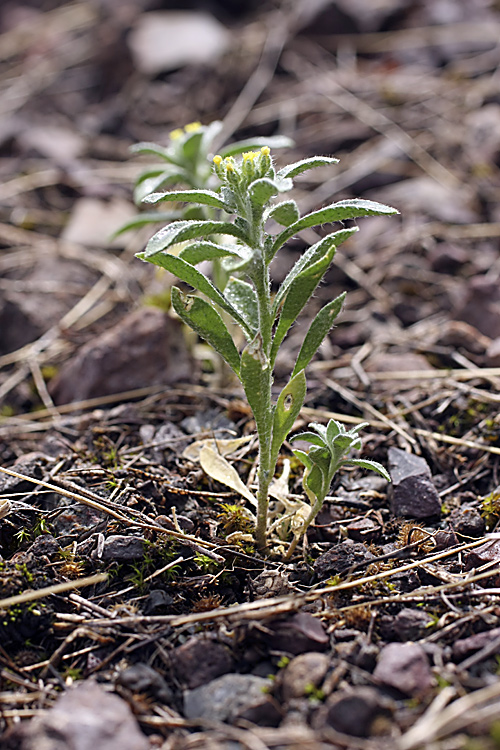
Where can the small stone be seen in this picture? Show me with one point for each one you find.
(165, 40)
(44, 545)
(465, 646)
(404, 666)
(341, 558)
(145, 348)
(353, 712)
(363, 530)
(85, 717)
(446, 258)
(123, 548)
(411, 624)
(467, 521)
(200, 660)
(412, 491)
(303, 671)
(487, 553)
(232, 697)
(300, 633)
(158, 602)
(141, 678)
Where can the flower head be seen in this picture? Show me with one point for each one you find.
(192, 127)
(176, 134)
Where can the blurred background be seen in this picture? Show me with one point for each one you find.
(404, 92)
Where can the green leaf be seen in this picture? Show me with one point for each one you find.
(255, 377)
(243, 298)
(181, 231)
(318, 329)
(153, 217)
(191, 145)
(284, 213)
(349, 209)
(333, 429)
(311, 437)
(315, 481)
(372, 465)
(188, 273)
(201, 197)
(274, 141)
(311, 255)
(206, 321)
(299, 292)
(198, 252)
(292, 170)
(261, 191)
(167, 154)
(303, 457)
(288, 406)
(151, 182)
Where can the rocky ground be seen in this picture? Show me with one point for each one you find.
(135, 611)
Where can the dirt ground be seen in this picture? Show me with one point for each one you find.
(135, 611)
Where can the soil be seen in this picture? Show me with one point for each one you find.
(135, 610)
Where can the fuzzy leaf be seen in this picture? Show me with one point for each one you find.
(303, 457)
(261, 191)
(219, 468)
(206, 321)
(200, 197)
(154, 180)
(318, 329)
(311, 437)
(285, 213)
(299, 292)
(188, 273)
(181, 231)
(274, 141)
(292, 170)
(333, 429)
(142, 219)
(311, 255)
(372, 465)
(167, 154)
(288, 406)
(348, 209)
(315, 481)
(198, 252)
(243, 298)
(254, 375)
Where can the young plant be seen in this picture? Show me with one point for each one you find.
(329, 450)
(247, 189)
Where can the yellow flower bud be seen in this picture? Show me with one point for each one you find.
(176, 134)
(192, 127)
(217, 159)
(265, 150)
(249, 155)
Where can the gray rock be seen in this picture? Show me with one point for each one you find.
(354, 712)
(411, 624)
(123, 548)
(232, 697)
(489, 552)
(306, 669)
(200, 660)
(297, 634)
(465, 646)
(340, 558)
(145, 348)
(83, 718)
(405, 667)
(412, 491)
(141, 678)
(467, 521)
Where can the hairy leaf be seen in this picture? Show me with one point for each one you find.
(292, 170)
(288, 406)
(188, 273)
(284, 213)
(201, 197)
(181, 231)
(254, 375)
(318, 329)
(311, 437)
(262, 190)
(243, 298)
(348, 209)
(197, 252)
(372, 465)
(151, 181)
(299, 292)
(311, 255)
(206, 321)
(167, 154)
